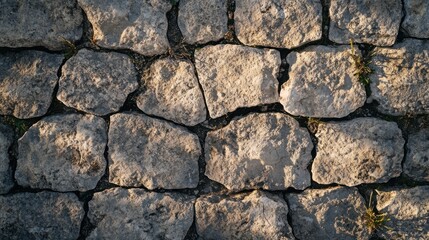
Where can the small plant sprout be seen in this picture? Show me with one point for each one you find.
(361, 65)
(374, 220)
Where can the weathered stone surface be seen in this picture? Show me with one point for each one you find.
(258, 215)
(27, 81)
(400, 82)
(63, 153)
(363, 150)
(278, 23)
(43, 215)
(365, 21)
(268, 151)
(140, 26)
(322, 83)
(334, 213)
(416, 21)
(234, 76)
(6, 178)
(416, 163)
(202, 21)
(136, 214)
(171, 91)
(408, 211)
(144, 151)
(96, 82)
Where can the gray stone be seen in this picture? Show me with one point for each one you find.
(408, 211)
(334, 213)
(362, 150)
(144, 151)
(43, 23)
(140, 26)
(6, 178)
(416, 163)
(136, 214)
(416, 21)
(97, 82)
(322, 83)
(267, 150)
(234, 76)
(365, 21)
(27, 81)
(43, 215)
(171, 91)
(278, 23)
(400, 83)
(63, 153)
(202, 21)
(258, 215)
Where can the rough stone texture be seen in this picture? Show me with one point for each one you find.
(27, 81)
(171, 91)
(96, 82)
(322, 83)
(416, 21)
(26, 23)
(363, 150)
(268, 151)
(63, 153)
(234, 76)
(334, 213)
(6, 178)
(365, 21)
(144, 151)
(258, 215)
(408, 211)
(416, 163)
(278, 23)
(202, 21)
(43, 215)
(136, 214)
(401, 76)
(140, 26)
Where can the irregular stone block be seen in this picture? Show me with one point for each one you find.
(278, 23)
(268, 151)
(416, 163)
(416, 21)
(258, 215)
(322, 83)
(136, 214)
(6, 177)
(234, 76)
(363, 150)
(365, 21)
(334, 213)
(27, 81)
(399, 83)
(97, 82)
(140, 26)
(171, 91)
(63, 153)
(43, 215)
(202, 21)
(148, 152)
(43, 23)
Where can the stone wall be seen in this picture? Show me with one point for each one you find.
(214, 119)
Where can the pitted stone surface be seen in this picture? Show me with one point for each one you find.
(322, 83)
(202, 21)
(401, 76)
(6, 178)
(334, 213)
(362, 150)
(140, 26)
(416, 21)
(171, 91)
(268, 151)
(408, 211)
(365, 21)
(258, 215)
(144, 151)
(96, 82)
(63, 153)
(27, 81)
(43, 215)
(234, 76)
(136, 214)
(43, 23)
(416, 163)
(278, 23)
